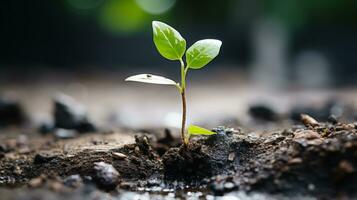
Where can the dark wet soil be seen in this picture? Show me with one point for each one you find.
(315, 159)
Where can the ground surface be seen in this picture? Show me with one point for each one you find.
(263, 154)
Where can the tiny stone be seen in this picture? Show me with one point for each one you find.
(295, 161)
(18, 170)
(11, 112)
(137, 150)
(36, 182)
(65, 133)
(332, 119)
(306, 134)
(46, 128)
(73, 181)
(308, 120)
(69, 114)
(263, 112)
(315, 142)
(153, 182)
(107, 176)
(118, 155)
(231, 156)
(229, 185)
(40, 159)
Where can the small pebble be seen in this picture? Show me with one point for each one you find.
(119, 156)
(73, 181)
(107, 177)
(65, 133)
(231, 156)
(36, 182)
(42, 158)
(295, 161)
(308, 120)
(229, 186)
(332, 119)
(306, 134)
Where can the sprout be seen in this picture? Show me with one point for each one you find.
(171, 45)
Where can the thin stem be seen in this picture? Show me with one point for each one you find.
(183, 75)
(184, 107)
(183, 135)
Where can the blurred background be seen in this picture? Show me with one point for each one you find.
(275, 52)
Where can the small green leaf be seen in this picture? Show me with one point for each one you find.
(202, 52)
(168, 41)
(196, 130)
(149, 78)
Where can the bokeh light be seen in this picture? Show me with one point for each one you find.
(156, 7)
(124, 16)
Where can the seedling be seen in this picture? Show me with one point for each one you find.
(171, 45)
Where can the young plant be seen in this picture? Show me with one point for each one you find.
(171, 45)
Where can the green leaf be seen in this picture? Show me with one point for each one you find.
(149, 78)
(202, 52)
(168, 41)
(196, 130)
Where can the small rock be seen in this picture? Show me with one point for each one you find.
(229, 186)
(69, 114)
(332, 119)
(42, 158)
(127, 185)
(18, 170)
(153, 182)
(119, 156)
(263, 112)
(11, 113)
(62, 133)
(73, 181)
(46, 128)
(315, 142)
(308, 120)
(306, 134)
(231, 156)
(287, 133)
(320, 113)
(106, 177)
(36, 182)
(295, 161)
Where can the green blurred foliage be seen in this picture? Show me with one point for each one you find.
(296, 13)
(124, 16)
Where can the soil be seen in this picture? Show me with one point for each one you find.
(314, 159)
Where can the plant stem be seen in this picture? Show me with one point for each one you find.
(183, 135)
(184, 107)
